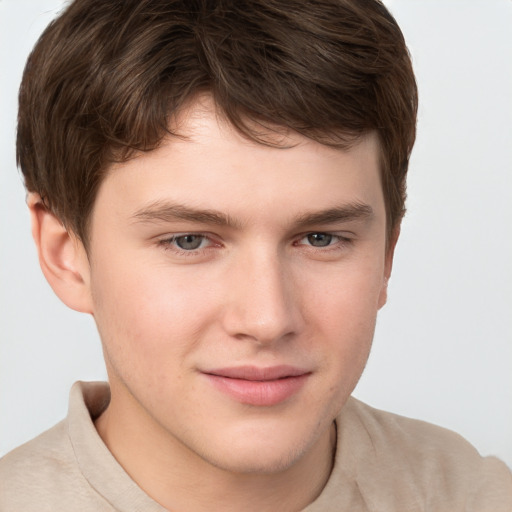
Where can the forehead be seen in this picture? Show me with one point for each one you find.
(211, 165)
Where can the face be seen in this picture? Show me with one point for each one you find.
(235, 287)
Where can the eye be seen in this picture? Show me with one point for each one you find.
(321, 242)
(320, 239)
(191, 247)
(189, 242)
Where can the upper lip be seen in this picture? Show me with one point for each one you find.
(258, 373)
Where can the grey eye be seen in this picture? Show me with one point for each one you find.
(189, 242)
(319, 239)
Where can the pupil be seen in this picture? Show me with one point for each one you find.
(189, 242)
(319, 239)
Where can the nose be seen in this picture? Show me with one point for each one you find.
(264, 302)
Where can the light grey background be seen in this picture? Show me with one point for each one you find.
(443, 347)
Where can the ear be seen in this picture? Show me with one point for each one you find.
(388, 265)
(62, 257)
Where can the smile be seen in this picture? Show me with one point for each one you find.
(258, 386)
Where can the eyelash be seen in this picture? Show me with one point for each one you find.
(168, 244)
(339, 242)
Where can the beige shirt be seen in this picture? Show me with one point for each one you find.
(383, 463)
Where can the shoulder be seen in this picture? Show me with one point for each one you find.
(48, 452)
(411, 434)
(43, 475)
(429, 464)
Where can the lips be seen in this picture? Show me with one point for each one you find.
(258, 386)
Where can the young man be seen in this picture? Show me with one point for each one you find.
(221, 186)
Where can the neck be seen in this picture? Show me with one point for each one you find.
(179, 479)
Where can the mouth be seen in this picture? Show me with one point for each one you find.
(251, 385)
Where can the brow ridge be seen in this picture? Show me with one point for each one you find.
(344, 213)
(171, 212)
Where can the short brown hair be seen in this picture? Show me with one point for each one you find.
(106, 76)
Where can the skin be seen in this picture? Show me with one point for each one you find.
(262, 289)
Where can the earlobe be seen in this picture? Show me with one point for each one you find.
(62, 257)
(388, 266)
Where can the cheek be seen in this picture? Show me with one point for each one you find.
(146, 315)
(350, 330)
(345, 313)
(349, 300)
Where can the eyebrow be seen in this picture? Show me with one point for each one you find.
(345, 213)
(171, 212)
(160, 211)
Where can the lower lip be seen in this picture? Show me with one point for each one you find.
(255, 392)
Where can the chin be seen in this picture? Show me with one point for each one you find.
(260, 450)
(255, 460)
